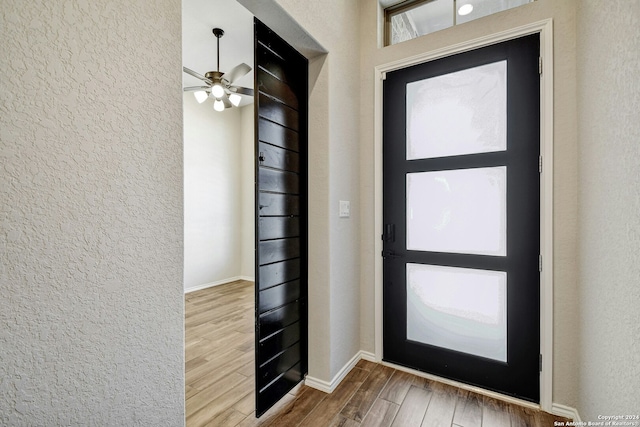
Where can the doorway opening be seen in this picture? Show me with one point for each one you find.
(271, 190)
(219, 220)
(544, 29)
(462, 217)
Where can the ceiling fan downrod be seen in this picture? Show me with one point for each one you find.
(218, 32)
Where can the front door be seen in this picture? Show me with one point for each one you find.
(461, 192)
(281, 217)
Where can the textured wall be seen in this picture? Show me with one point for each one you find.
(566, 325)
(91, 313)
(609, 244)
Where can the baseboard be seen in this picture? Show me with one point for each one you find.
(318, 384)
(218, 283)
(328, 387)
(366, 355)
(566, 411)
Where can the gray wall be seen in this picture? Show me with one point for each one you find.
(609, 200)
(91, 313)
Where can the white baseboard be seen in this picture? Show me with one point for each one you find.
(366, 355)
(566, 411)
(218, 283)
(328, 387)
(318, 384)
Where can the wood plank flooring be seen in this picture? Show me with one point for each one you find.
(219, 371)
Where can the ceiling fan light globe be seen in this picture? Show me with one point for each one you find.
(201, 96)
(217, 91)
(235, 99)
(465, 9)
(218, 105)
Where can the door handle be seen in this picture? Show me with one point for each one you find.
(389, 233)
(390, 254)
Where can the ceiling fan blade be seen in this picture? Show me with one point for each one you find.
(237, 72)
(196, 75)
(192, 88)
(241, 90)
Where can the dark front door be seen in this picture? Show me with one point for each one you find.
(281, 217)
(461, 217)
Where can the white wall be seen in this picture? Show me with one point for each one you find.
(91, 307)
(218, 192)
(609, 246)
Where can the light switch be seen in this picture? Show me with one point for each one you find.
(345, 208)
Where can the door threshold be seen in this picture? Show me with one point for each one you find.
(475, 389)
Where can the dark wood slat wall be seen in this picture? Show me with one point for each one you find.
(281, 218)
(279, 204)
(277, 135)
(279, 158)
(278, 181)
(279, 250)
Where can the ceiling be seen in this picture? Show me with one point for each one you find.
(199, 17)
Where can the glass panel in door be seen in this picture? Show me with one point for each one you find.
(461, 309)
(463, 112)
(460, 211)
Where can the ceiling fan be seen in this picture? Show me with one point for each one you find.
(219, 86)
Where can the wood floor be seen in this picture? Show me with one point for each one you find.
(219, 382)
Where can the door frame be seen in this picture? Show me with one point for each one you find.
(545, 30)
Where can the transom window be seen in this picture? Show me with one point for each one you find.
(407, 20)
